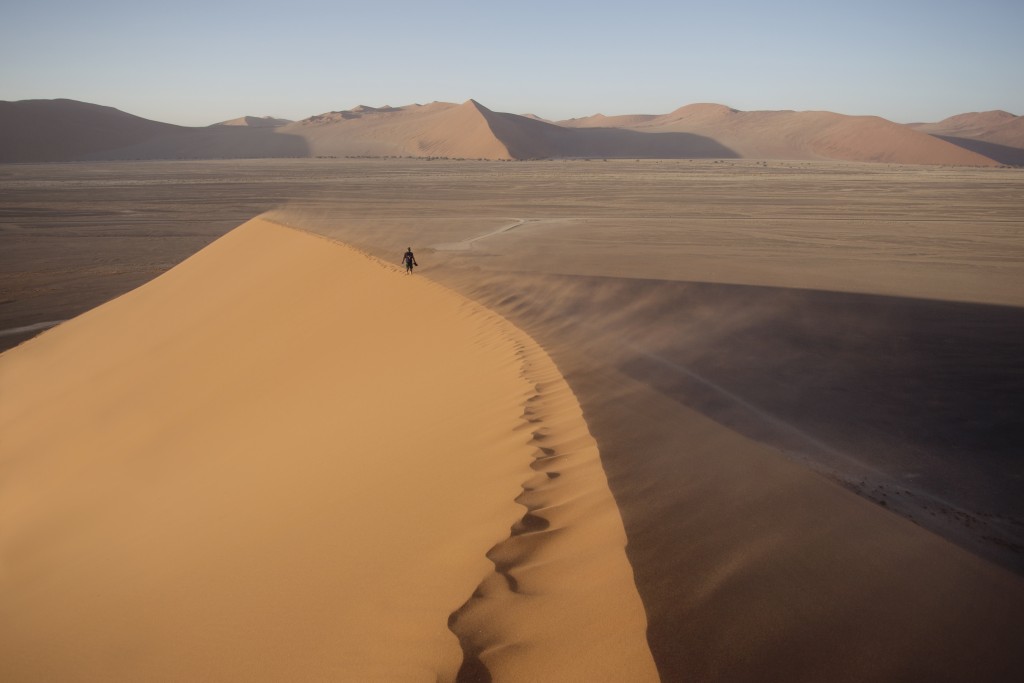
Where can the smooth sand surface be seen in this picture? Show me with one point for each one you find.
(802, 379)
(284, 460)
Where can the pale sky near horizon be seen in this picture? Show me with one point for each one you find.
(196, 63)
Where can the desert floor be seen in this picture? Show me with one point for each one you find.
(774, 358)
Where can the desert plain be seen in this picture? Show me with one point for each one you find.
(713, 419)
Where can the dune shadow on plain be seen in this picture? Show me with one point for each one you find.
(887, 395)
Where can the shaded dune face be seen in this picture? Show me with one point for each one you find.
(283, 460)
(60, 130)
(66, 130)
(701, 398)
(875, 391)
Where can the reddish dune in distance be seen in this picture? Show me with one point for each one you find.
(795, 135)
(438, 129)
(992, 126)
(996, 134)
(284, 460)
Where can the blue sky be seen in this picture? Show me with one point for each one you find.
(196, 63)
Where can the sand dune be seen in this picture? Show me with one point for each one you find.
(752, 567)
(996, 134)
(994, 126)
(255, 122)
(283, 460)
(438, 129)
(723, 344)
(65, 130)
(602, 121)
(800, 135)
(61, 130)
(725, 415)
(531, 139)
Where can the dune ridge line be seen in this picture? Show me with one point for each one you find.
(560, 582)
(559, 591)
(283, 459)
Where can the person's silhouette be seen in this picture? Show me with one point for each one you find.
(409, 260)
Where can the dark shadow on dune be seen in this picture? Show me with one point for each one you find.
(919, 398)
(214, 142)
(527, 138)
(628, 144)
(472, 669)
(1004, 154)
(911, 403)
(67, 130)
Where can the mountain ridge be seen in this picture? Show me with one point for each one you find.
(68, 130)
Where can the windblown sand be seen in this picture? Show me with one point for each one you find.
(284, 460)
(752, 346)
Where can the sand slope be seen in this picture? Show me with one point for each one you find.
(751, 566)
(438, 129)
(282, 460)
(996, 134)
(993, 126)
(67, 130)
(60, 130)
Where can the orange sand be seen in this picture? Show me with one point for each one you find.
(284, 460)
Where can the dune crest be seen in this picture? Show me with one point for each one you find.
(438, 129)
(283, 460)
(556, 589)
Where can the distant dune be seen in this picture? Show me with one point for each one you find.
(61, 130)
(255, 122)
(67, 130)
(997, 134)
(64, 130)
(807, 135)
(439, 129)
(994, 126)
(602, 121)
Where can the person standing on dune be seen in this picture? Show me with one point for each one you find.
(409, 260)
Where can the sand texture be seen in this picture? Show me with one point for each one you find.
(284, 460)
